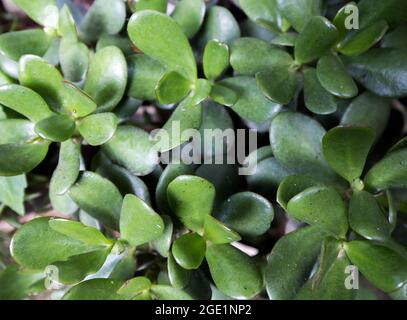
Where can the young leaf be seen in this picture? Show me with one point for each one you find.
(234, 273)
(215, 59)
(320, 31)
(107, 74)
(299, 12)
(189, 251)
(172, 88)
(98, 128)
(66, 24)
(189, 14)
(55, 128)
(189, 208)
(160, 37)
(367, 218)
(218, 233)
(44, 12)
(334, 78)
(346, 150)
(322, 207)
(132, 148)
(98, 197)
(383, 267)
(342, 16)
(200, 92)
(139, 223)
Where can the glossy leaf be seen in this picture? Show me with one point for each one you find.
(189, 14)
(55, 128)
(179, 277)
(74, 60)
(163, 292)
(189, 251)
(218, 233)
(66, 24)
(12, 192)
(95, 289)
(299, 12)
(163, 242)
(158, 5)
(223, 95)
(135, 286)
(263, 12)
(77, 103)
(98, 128)
(215, 59)
(172, 88)
(343, 15)
(44, 12)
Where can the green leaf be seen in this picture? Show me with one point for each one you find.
(98, 197)
(251, 55)
(389, 173)
(251, 104)
(376, 10)
(380, 71)
(95, 289)
(158, 5)
(333, 77)
(66, 24)
(22, 157)
(74, 60)
(144, 76)
(263, 11)
(291, 261)
(287, 39)
(278, 83)
(172, 87)
(189, 14)
(311, 205)
(17, 284)
(346, 150)
(218, 233)
(67, 171)
(122, 42)
(25, 101)
(179, 277)
(36, 245)
(296, 141)
(55, 128)
(12, 191)
(342, 16)
(317, 99)
(234, 273)
(367, 218)
(200, 92)
(215, 59)
(247, 213)
(370, 111)
(18, 43)
(103, 17)
(78, 103)
(98, 128)
(219, 24)
(189, 208)
(223, 95)
(189, 251)
(162, 292)
(384, 268)
(318, 30)
(162, 244)
(363, 40)
(135, 286)
(139, 223)
(396, 38)
(299, 12)
(160, 37)
(44, 12)
(132, 148)
(107, 74)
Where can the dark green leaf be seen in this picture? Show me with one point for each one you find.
(299, 12)
(179, 277)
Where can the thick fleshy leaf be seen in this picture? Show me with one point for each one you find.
(200, 92)
(311, 205)
(396, 39)
(234, 273)
(160, 37)
(95, 289)
(139, 223)
(317, 99)
(25, 101)
(223, 95)
(219, 25)
(132, 148)
(18, 43)
(333, 77)
(107, 74)
(363, 40)
(291, 261)
(135, 286)
(189, 251)
(77, 103)
(278, 83)
(370, 111)
(382, 71)
(158, 5)
(191, 210)
(36, 245)
(103, 17)
(44, 12)
(247, 213)
(66, 24)
(172, 88)
(144, 76)
(264, 12)
(252, 55)
(287, 39)
(320, 31)
(17, 284)
(217, 233)
(178, 276)
(12, 191)
(215, 59)
(74, 60)
(67, 171)
(384, 268)
(251, 104)
(367, 218)
(122, 42)
(162, 243)
(55, 128)
(98, 128)
(389, 173)
(163, 292)
(346, 150)
(344, 15)
(98, 197)
(299, 12)
(189, 14)
(376, 10)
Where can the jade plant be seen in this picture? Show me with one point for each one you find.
(90, 210)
